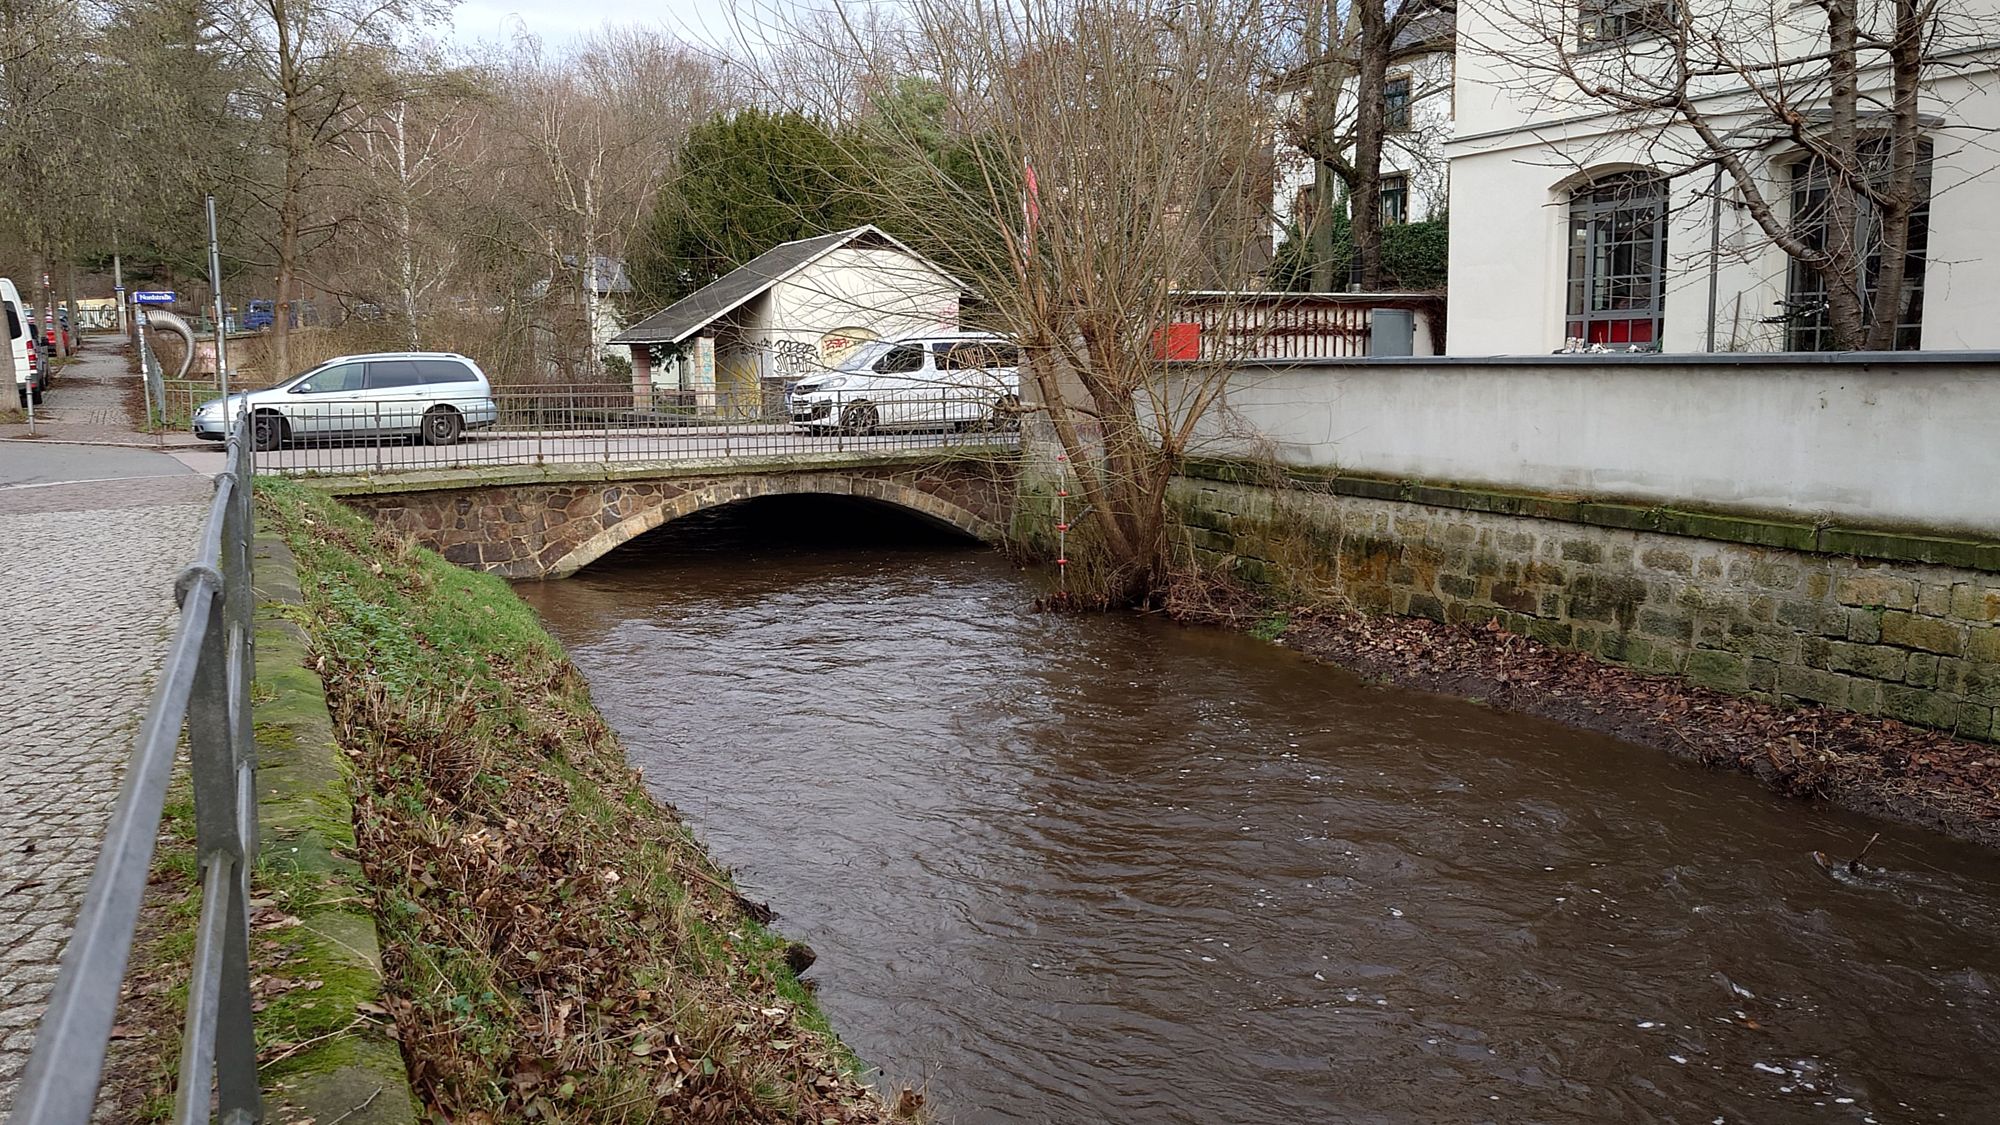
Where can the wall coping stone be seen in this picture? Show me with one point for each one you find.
(1988, 359)
(305, 816)
(596, 472)
(1695, 523)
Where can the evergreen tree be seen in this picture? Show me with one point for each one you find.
(748, 181)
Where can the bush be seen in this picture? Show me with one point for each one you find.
(1414, 256)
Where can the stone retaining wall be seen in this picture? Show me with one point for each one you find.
(1906, 639)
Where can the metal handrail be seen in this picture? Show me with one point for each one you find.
(204, 686)
(508, 426)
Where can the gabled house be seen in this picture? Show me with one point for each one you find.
(732, 346)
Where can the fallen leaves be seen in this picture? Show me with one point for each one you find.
(1804, 751)
(553, 939)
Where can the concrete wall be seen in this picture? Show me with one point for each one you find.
(1901, 443)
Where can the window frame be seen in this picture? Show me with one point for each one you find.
(414, 376)
(1809, 331)
(1593, 17)
(1396, 185)
(1397, 112)
(918, 350)
(433, 372)
(1608, 204)
(304, 387)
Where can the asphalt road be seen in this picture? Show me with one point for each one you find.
(35, 463)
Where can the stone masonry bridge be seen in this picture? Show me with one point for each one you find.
(551, 521)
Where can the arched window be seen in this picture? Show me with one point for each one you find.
(1617, 259)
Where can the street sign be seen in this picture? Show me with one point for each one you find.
(154, 296)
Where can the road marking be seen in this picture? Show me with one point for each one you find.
(90, 480)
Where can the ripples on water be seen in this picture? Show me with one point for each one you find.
(1104, 869)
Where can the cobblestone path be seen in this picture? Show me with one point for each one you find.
(89, 565)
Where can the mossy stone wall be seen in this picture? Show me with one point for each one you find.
(1741, 612)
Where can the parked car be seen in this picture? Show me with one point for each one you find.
(52, 331)
(434, 396)
(260, 314)
(961, 380)
(19, 325)
(38, 358)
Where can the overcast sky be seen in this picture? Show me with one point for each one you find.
(557, 21)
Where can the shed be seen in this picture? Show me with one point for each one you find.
(732, 346)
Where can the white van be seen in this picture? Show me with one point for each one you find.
(960, 380)
(26, 379)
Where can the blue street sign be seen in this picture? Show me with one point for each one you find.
(154, 296)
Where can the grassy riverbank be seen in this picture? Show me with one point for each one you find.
(557, 945)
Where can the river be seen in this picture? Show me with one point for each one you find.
(1102, 868)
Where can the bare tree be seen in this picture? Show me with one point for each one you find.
(313, 59)
(596, 134)
(1343, 126)
(1106, 154)
(410, 156)
(1834, 88)
(51, 172)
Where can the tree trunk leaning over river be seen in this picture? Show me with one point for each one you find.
(1100, 158)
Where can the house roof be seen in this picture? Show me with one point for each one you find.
(1431, 31)
(732, 290)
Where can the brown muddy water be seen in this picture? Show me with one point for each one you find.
(1101, 868)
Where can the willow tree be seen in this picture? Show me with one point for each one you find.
(1100, 159)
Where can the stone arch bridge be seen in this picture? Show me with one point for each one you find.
(551, 521)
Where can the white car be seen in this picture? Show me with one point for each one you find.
(435, 396)
(29, 376)
(959, 380)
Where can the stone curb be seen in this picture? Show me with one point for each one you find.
(354, 1073)
(1693, 523)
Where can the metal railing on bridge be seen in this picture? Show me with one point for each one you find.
(204, 688)
(534, 427)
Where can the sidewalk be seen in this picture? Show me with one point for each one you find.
(92, 538)
(87, 403)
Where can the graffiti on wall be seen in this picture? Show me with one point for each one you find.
(793, 359)
(96, 314)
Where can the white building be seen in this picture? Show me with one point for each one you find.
(1577, 217)
(731, 346)
(608, 285)
(1418, 112)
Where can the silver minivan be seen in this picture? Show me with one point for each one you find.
(957, 380)
(434, 396)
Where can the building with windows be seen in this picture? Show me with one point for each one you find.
(1650, 174)
(1417, 113)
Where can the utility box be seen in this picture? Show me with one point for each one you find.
(1178, 341)
(1392, 332)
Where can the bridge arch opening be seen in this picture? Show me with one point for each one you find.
(776, 514)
